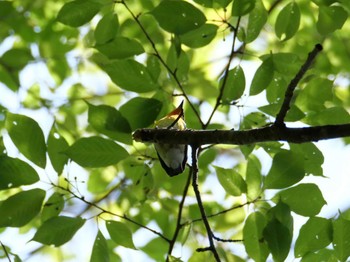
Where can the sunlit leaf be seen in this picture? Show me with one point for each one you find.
(253, 177)
(234, 85)
(256, 20)
(106, 28)
(78, 12)
(15, 172)
(288, 21)
(263, 76)
(252, 235)
(330, 18)
(199, 37)
(120, 47)
(303, 199)
(56, 145)
(21, 208)
(231, 181)
(141, 112)
(178, 17)
(287, 169)
(130, 75)
(315, 234)
(100, 249)
(53, 206)
(28, 137)
(120, 234)
(240, 8)
(58, 230)
(341, 244)
(96, 152)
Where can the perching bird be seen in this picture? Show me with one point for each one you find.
(172, 157)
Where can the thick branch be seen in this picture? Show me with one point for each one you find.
(271, 133)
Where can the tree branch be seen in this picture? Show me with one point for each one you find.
(200, 203)
(231, 137)
(293, 83)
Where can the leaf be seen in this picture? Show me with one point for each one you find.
(256, 20)
(15, 173)
(156, 248)
(178, 17)
(253, 177)
(19, 209)
(231, 181)
(56, 145)
(330, 18)
(315, 234)
(287, 22)
(234, 86)
(96, 152)
(321, 255)
(241, 8)
(109, 121)
(312, 156)
(79, 12)
(341, 232)
(58, 230)
(120, 48)
(106, 28)
(199, 37)
(330, 116)
(100, 249)
(141, 112)
(287, 169)
(16, 58)
(252, 235)
(53, 206)
(28, 137)
(278, 239)
(120, 234)
(303, 199)
(263, 76)
(131, 75)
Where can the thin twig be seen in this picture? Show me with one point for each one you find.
(225, 77)
(157, 54)
(179, 215)
(5, 251)
(293, 83)
(200, 203)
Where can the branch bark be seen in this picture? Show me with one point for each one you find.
(244, 137)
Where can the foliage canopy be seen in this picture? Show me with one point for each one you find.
(86, 74)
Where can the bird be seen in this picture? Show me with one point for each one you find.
(172, 157)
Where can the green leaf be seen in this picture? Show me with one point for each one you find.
(56, 145)
(252, 235)
(120, 48)
(58, 230)
(156, 248)
(256, 20)
(288, 21)
(106, 28)
(341, 232)
(131, 75)
(178, 17)
(19, 209)
(141, 112)
(16, 58)
(315, 234)
(240, 8)
(100, 249)
(303, 199)
(120, 234)
(199, 37)
(79, 12)
(321, 255)
(234, 86)
(330, 18)
(278, 238)
(330, 116)
(282, 213)
(231, 181)
(263, 76)
(15, 173)
(287, 169)
(312, 156)
(53, 206)
(109, 121)
(96, 152)
(253, 177)
(28, 137)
